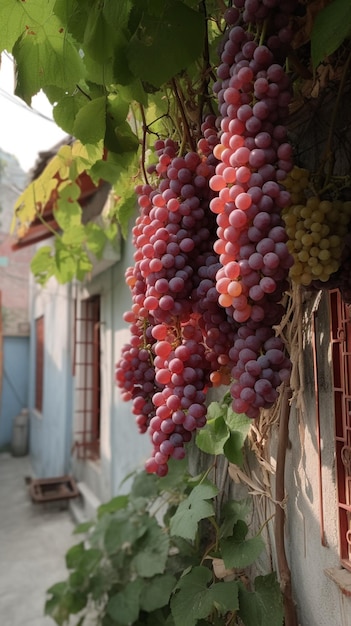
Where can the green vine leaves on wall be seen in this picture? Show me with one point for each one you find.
(140, 566)
(98, 63)
(225, 431)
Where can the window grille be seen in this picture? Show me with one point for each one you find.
(39, 362)
(86, 368)
(340, 314)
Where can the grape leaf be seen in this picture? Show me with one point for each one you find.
(124, 529)
(154, 53)
(43, 265)
(191, 510)
(51, 56)
(66, 110)
(232, 512)
(16, 18)
(124, 606)
(84, 129)
(330, 28)
(192, 601)
(212, 437)
(265, 605)
(196, 599)
(95, 239)
(156, 592)
(152, 551)
(68, 214)
(240, 553)
(117, 503)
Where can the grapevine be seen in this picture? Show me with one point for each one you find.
(211, 259)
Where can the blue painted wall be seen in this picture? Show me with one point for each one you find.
(14, 396)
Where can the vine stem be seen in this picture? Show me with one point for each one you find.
(183, 116)
(143, 145)
(283, 566)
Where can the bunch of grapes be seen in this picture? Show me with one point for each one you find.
(211, 258)
(253, 91)
(166, 367)
(316, 229)
(297, 184)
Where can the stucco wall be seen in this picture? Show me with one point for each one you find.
(312, 531)
(51, 430)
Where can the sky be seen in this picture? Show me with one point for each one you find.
(24, 131)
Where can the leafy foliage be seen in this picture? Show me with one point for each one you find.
(225, 431)
(136, 567)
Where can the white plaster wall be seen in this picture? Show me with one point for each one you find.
(123, 449)
(312, 495)
(50, 431)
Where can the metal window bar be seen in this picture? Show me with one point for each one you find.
(340, 326)
(88, 380)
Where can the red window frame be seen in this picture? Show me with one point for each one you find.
(87, 372)
(340, 334)
(39, 363)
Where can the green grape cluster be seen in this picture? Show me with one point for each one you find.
(316, 229)
(296, 183)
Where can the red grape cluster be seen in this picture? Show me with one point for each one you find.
(253, 91)
(167, 365)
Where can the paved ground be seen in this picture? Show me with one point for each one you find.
(33, 541)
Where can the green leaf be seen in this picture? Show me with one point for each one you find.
(239, 426)
(124, 530)
(48, 50)
(264, 606)
(68, 215)
(225, 596)
(66, 110)
(126, 209)
(43, 264)
(82, 528)
(213, 436)
(84, 265)
(124, 606)
(156, 592)
(73, 236)
(74, 555)
(66, 265)
(331, 26)
(90, 559)
(16, 17)
(145, 486)
(151, 551)
(84, 129)
(196, 600)
(232, 512)
(239, 552)
(192, 601)
(194, 508)
(154, 52)
(114, 505)
(95, 239)
(58, 589)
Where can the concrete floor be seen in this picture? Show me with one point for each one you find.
(33, 541)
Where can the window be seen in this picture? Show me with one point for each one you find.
(39, 363)
(340, 314)
(87, 378)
